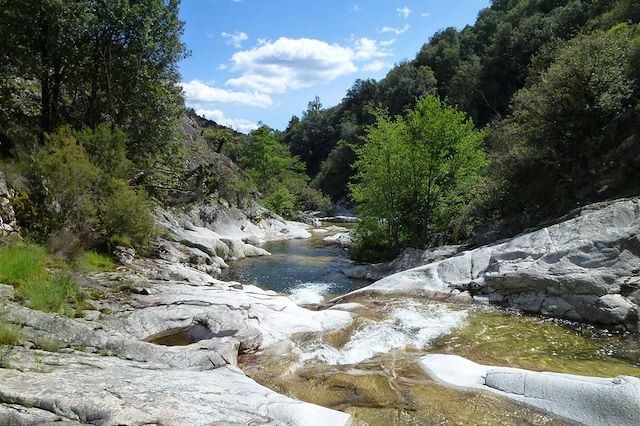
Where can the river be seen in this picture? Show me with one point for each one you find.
(370, 369)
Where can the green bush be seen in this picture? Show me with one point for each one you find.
(281, 202)
(125, 216)
(85, 193)
(20, 264)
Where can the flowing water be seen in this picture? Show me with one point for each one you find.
(370, 369)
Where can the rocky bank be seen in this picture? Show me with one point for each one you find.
(586, 268)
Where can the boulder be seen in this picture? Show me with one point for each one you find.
(583, 269)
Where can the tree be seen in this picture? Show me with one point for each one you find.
(413, 174)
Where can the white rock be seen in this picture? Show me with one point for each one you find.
(588, 400)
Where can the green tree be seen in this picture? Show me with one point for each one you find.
(413, 174)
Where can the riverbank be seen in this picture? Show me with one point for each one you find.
(163, 325)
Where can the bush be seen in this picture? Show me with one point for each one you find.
(125, 216)
(281, 202)
(86, 199)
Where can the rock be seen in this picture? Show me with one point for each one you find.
(580, 269)
(408, 259)
(7, 215)
(310, 218)
(341, 238)
(125, 255)
(91, 315)
(587, 400)
(111, 391)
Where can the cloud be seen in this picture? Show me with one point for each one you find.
(374, 66)
(366, 49)
(396, 31)
(234, 39)
(277, 66)
(425, 14)
(198, 92)
(355, 8)
(239, 124)
(404, 12)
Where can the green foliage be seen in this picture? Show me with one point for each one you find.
(563, 126)
(85, 196)
(90, 62)
(93, 261)
(20, 264)
(413, 174)
(125, 215)
(278, 175)
(281, 202)
(57, 293)
(9, 334)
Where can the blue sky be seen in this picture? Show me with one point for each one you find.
(264, 60)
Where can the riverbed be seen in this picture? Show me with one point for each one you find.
(370, 369)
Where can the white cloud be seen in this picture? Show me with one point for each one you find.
(196, 91)
(394, 30)
(223, 67)
(355, 8)
(404, 12)
(374, 66)
(277, 66)
(387, 42)
(234, 39)
(425, 14)
(366, 49)
(239, 124)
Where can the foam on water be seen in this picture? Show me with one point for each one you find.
(309, 293)
(413, 325)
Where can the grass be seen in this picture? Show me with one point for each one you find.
(22, 263)
(46, 345)
(92, 261)
(9, 334)
(25, 267)
(57, 293)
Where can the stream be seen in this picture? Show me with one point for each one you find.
(371, 369)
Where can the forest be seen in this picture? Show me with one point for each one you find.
(546, 94)
(552, 84)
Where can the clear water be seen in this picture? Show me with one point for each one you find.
(370, 368)
(308, 270)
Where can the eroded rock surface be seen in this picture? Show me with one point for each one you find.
(583, 269)
(587, 400)
(89, 388)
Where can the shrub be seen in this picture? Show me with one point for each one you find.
(19, 264)
(281, 202)
(64, 244)
(125, 216)
(87, 196)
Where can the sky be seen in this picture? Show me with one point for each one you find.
(257, 61)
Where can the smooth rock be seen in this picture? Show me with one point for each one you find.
(578, 269)
(587, 400)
